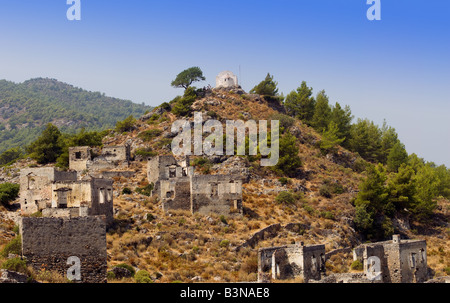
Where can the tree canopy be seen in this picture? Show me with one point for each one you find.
(187, 77)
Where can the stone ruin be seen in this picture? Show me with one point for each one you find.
(49, 244)
(290, 262)
(82, 158)
(226, 79)
(61, 194)
(402, 261)
(180, 189)
(75, 215)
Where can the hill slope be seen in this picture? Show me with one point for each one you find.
(26, 108)
(179, 246)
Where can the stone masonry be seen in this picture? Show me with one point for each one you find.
(35, 187)
(180, 189)
(81, 158)
(60, 194)
(48, 243)
(291, 261)
(402, 261)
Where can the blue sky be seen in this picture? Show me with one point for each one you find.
(396, 69)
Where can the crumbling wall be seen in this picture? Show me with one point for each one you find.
(220, 194)
(35, 187)
(96, 194)
(288, 262)
(79, 157)
(413, 260)
(176, 194)
(117, 153)
(47, 243)
(156, 168)
(401, 261)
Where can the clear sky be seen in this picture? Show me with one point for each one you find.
(396, 69)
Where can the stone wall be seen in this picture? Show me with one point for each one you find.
(79, 157)
(402, 261)
(47, 243)
(176, 194)
(35, 187)
(117, 153)
(220, 194)
(291, 261)
(96, 194)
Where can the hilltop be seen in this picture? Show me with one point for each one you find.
(26, 108)
(180, 246)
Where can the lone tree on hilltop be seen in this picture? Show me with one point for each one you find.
(187, 77)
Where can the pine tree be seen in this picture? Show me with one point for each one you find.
(370, 204)
(397, 156)
(322, 112)
(48, 147)
(365, 139)
(289, 160)
(389, 138)
(342, 117)
(267, 87)
(402, 189)
(300, 103)
(330, 138)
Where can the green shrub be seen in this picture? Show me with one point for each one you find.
(125, 125)
(150, 134)
(203, 163)
(329, 188)
(213, 114)
(357, 265)
(127, 191)
(150, 217)
(447, 270)
(143, 276)
(285, 197)
(166, 106)
(223, 219)
(224, 243)
(8, 192)
(17, 265)
(327, 215)
(309, 209)
(146, 190)
(110, 275)
(284, 180)
(13, 247)
(128, 267)
(146, 152)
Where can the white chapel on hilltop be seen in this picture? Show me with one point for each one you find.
(226, 79)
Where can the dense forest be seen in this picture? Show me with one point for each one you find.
(26, 109)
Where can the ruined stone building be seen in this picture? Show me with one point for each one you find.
(36, 187)
(82, 158)
(226, 79)
(60, 194)
(290, 262)
(401, 261)
(52, 244)
(180, 189)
